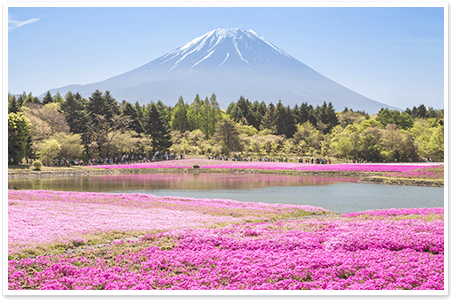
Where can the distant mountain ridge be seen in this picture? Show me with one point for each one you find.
(230, 63)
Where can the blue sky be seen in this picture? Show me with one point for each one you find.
(391, 55)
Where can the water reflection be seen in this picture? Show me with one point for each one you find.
(339, 194)
(186, 181)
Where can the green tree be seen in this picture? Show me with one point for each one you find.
(343, 142)
(140, 112)
(47, 98)
(401, 120)
(304, 113)
(228, 136)
(285, 123)
(349, 117)
(165, 111)
(70, 145)
(179, 118)
(436, 144)
(269, 119)
(13, 106)
(421, 111)
(131, 112)
(156, 128)
(397, 145)
(331, 117)
(370, 144)
(236, 113)
(258, 110)
(112, 108)
(194, 113)
(429, 138)
(307, 138)
(100, 134)
(96, 104)
(57, 98)
(214, 115)
(102, 104)
(32, 99)
(74, 111)
(326, 117)
(49, 150)
(18, 134)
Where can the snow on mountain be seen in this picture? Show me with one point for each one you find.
(230, 63)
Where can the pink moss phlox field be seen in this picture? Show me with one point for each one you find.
(40, 217)
(214, 164)
(433, 172)
(398, 212)
(316, 254)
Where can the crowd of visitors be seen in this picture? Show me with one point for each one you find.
(118, 159)
(316, 161)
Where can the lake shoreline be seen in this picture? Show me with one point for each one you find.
(402, 181)
(366, 177)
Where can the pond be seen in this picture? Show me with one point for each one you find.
(339, 194)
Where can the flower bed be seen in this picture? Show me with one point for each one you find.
(214, 164)
(434, 172)
(401, 250)
(40, 218)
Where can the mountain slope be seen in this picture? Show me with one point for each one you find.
(230, 63)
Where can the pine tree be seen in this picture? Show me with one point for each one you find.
(131, 112)
(140, 113)
(57, 98)
(179, 118)
(205, 117)
(194, 113)
(74, 111)
(421, 111)
(230, 108)
(112, 107)
(236, 113)
(290, 127)
(305, 113)
(13, 106)
(165, 111)
(280, 119)
(269, 121)
(32, 99)
(157, 130)
(331, 117)
(21, 100)
(47, 98)
(227, 135)
(96, 104)
(257, 115)
(214, 115)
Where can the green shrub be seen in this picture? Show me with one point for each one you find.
(37, 165)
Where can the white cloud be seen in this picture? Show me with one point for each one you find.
(12, 24)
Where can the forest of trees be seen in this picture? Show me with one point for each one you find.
(57, 127)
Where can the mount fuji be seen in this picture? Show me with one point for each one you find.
(230, 63)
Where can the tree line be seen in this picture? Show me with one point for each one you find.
(76, 127)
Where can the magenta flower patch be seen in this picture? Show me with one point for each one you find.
(390, 250)
(214, 164)
(434, 172)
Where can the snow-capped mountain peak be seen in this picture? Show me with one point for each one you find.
(227, 44)
(229, 62)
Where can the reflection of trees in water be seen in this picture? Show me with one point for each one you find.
(198, 181)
